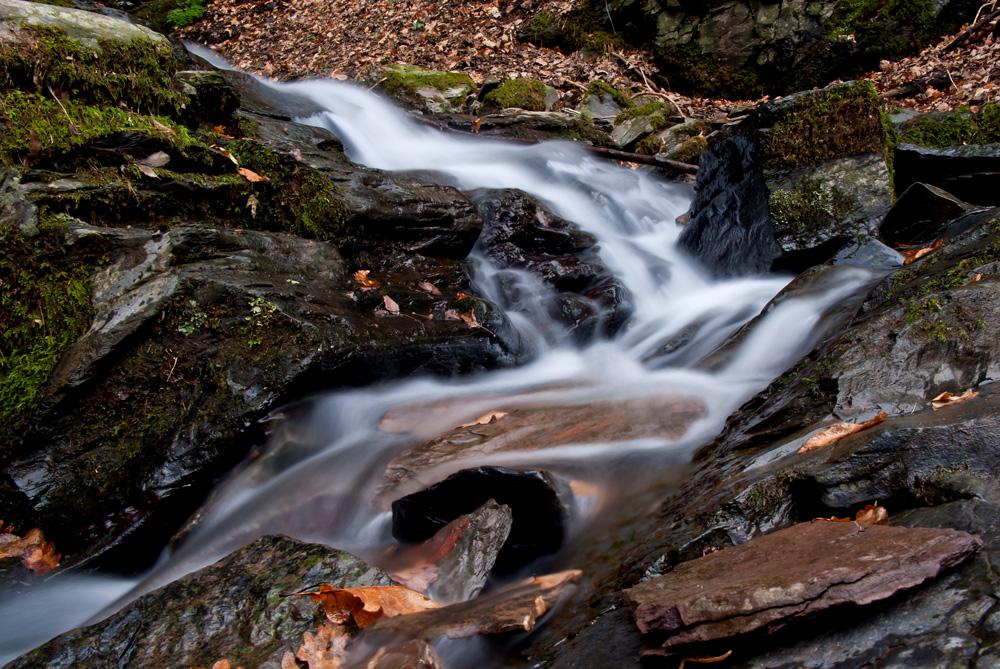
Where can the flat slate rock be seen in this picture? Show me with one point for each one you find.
(768, 582)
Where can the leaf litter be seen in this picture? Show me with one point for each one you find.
(837, 432)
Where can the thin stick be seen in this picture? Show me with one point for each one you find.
(377, 83)
(72, 128)
(960, 40)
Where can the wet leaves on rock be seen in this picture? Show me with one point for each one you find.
(837, 432)
(368, 605)
(946, 398)
(37, 555)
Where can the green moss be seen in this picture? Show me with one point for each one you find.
(525, 93)
(649, 109)
(297, 199)
(44, 308)
(650, 145)
(408, 78)
(844, 120)
(603, 89)
(34, 115)
(188, 12)
(691, 150)
(684, 68)
(540, 21)
(136, 75)
(810, 205)
(584, 28)
(954, 128)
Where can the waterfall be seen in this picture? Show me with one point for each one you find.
(315, 479)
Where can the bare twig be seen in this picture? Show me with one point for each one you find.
(377, 83)
(72, 128)
(976, 27)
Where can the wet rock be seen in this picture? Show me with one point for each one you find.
(970, 173)
(919, 215)
(521, 234)
(871, 254)
(432, 91)
(603, 101)
(532, 126)
(527, 94)
(452, 566)
(234, 606)
(536, 500)
(639, 122)
(798, 572)
(530, 428)
(87, 28)
(790, 185)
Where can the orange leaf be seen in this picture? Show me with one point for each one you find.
(872, 515)
(485, 419)
(41, 558)
(977, 277)
(837, 432)
(252, 176)
(705, 660)
(323, 650)
(226, 153)
(12, 545)
(366, 605)
(462, 296)
(914, 254)
(390, 304)
(361, 276)
(469, 318)
(946, 398)
(428, 287)
(476, 124)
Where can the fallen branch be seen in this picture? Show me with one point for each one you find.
(976, 27)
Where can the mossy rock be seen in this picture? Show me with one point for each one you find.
(603, 100)
(433, 91)
(955, 128)
(527, 94)
(639, 122)
(691, 150)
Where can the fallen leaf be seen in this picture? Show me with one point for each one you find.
(253, 203)
(155, 159)
(147, 170)
(977, 277)
(252, 176)
(872, 515)
(469, 318)
(705, 660)
(838, 432)
(12, 545)
(477, 123)
(390, 304)
(914, 254)
(451, 315)
(322, 650)
(428, 287)
(165, 129)
(946, 398)
(361, 276)
(366, 605)
(462, 296)
(296, 154)
(41, 558)
(226, 153)
(485, 419)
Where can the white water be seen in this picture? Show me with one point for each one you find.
(316, 477)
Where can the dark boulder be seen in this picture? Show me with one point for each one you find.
(791, 184)
(537, 501)
(519, 233)
(970, 173)
(234, 609)
(919, 214)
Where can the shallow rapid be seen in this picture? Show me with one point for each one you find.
(315, 479)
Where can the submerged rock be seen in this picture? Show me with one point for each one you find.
(795, 573)
(791, 184)
(234, 609)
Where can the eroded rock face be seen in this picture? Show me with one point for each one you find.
(234, 606)
(787, 187)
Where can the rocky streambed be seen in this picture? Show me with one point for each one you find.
(188, 257)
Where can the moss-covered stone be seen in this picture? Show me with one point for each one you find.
(812, 128)
(653, 109)
(691, 150)
(684, 67)
(528, 94)
(953, 128)
(434, 90)
(650, 145)
(809, 204)
(602, 89)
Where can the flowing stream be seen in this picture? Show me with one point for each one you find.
(316, 477)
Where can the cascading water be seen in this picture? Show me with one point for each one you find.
(316, 477)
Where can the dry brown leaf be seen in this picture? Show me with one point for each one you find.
(838, 432)
(361, 276)
(872, 514)
(366, 605)
(914, 254)
(477, 123)
(390, 304)
(41, 558)
(252, 176)
(946, 398)
(485, 419)
(165, 129)
(155, 159)
(253, 203)
(977, 277)
(451, 315)
(705, 660)
(147, 170)
(322, 650)
(428, 287)
(469, 318)
(12, 545)
(226, 153)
